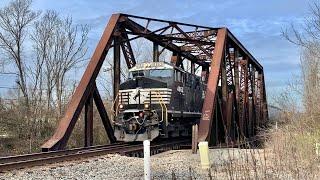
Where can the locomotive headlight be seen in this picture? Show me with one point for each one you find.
(121, 106)
(146, 106)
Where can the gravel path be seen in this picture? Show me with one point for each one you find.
(181, 164)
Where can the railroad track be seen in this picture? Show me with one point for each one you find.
(128, 149)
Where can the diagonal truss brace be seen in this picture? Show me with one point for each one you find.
(82, 92)
(224, 95)
(212, 84)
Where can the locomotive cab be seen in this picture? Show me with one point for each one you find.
(150, 101)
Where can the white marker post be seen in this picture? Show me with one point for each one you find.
(146, 158)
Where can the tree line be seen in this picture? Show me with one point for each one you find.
(40, 48)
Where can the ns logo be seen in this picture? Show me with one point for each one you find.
(180, 89)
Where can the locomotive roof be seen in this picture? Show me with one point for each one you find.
(153, 65)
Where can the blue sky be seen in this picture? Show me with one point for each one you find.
(257, 24)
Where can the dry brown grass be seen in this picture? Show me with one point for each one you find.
(288, 152)
(294, 147)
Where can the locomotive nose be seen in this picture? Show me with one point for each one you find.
(136, 125)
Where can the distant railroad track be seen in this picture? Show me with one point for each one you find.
(43, 158)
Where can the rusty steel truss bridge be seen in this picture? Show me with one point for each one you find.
(235, 104)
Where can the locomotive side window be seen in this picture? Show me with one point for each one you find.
(135, 74)
(156, 73)
(163, 73)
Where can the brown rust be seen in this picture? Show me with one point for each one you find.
(234, 79)
(210, 99)
(88, 124)
(66, 124)
(103, 115)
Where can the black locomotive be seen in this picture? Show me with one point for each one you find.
(157, 100)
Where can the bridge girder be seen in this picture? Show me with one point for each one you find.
(235, 102)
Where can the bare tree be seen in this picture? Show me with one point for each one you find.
(60, 46)
(14, 20)
(42, 70)
(310, 71)
(71, 48)
(308, 38)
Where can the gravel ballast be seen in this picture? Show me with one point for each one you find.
(179, 164)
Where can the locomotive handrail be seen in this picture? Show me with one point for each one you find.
(160, 105)
(165, 107)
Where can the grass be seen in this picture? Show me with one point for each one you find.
(289, 152)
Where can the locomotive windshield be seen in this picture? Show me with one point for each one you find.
(154, 73)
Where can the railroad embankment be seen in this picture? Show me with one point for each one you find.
(277, 160)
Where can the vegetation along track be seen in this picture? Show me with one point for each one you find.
(129, 149)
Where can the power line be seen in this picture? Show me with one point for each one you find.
(3, 87)
(15, 88)
(8, 73)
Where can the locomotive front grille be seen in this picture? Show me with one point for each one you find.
(141, 96)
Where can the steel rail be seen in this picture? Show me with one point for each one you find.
(37, 159)
(25, 157)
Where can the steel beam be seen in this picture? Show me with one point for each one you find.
(264, 99)
(104, 115)
(116, 70)
(88, 124)
(137, 28)
(211, 92)
(169, 22)
(244, 98)
(126, 49)
(155, 52)
(205, 73)
(229, 117)
(259, 100)
(197, 34)
(244, 50)
(241, 98)
(66, 124)
(188, 37)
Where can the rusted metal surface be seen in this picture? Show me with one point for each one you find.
(66, 124)
(243, 100)
(155, 52)
(127, 50)
(235, 103)
(88, 124)
(116, 70)
(206, 121)
(103, 115)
